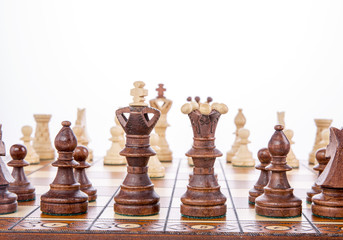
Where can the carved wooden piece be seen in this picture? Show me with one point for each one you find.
(239, 122)
(112, 156)
(42, 142)
(156, 169)
(136, 195)
(82, 140)
(203, 197)
(80, 155)
(329, 203)
(243, 157)
(321, 124)
(21, 185)
(322, 162)
(32, 157)
(278, 199)
(64, 196)
(163, 104)
(264, 157)
(8, 200)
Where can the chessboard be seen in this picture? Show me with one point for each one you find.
(101, 222)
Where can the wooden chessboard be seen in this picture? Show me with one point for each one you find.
(102, 223)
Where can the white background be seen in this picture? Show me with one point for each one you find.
(262, 56)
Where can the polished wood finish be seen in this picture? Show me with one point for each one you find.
(203, 198)
(329, 203)
(8, 200)
(64, 196)
(278, 199)
(137, 195)
(264, 157)
(81, 155)
(21, 186)
(322, 162)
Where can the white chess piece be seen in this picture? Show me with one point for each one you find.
(41, 142)
(243, 157)
(81, 140)
(156, 169)
(121, 135)
(291, 159)
(32, 157)
(113, 157)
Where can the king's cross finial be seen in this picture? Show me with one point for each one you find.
(160, 91)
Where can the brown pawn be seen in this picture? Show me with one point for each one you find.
(8, 200)
(322, 162)
(21, 186)
(329, 203)
(278, 199)
(80, 155)
(64, 196)
(264, 157)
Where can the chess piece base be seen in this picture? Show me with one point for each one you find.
(203, 211)
(314, 190)
(253, 194)
(328, 204)
(278, 212)
(166, 157)
(26, 197)
(61, 201)
(64, 209)
(8, 208)
(91, 192)
(229, 156)
(137, 210)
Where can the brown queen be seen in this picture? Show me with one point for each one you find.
(203, 198)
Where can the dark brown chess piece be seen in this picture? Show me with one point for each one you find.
(80, 155)
(329, 203)
(322, 162)
(278, 199)
(21, 186)
(137, 195)
(264, 156)
(8, 200)
(64, 196)
(203, 198)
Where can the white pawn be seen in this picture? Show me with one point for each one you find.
(243, 157)
(32, 157)
(291, 159)
(156, 169)
(113, 157)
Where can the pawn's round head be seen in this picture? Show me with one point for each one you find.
(264, 155)
(80, 153)
(18, 152)
(26, 130)
(320, 155)
(243, 133)
(139, 84)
